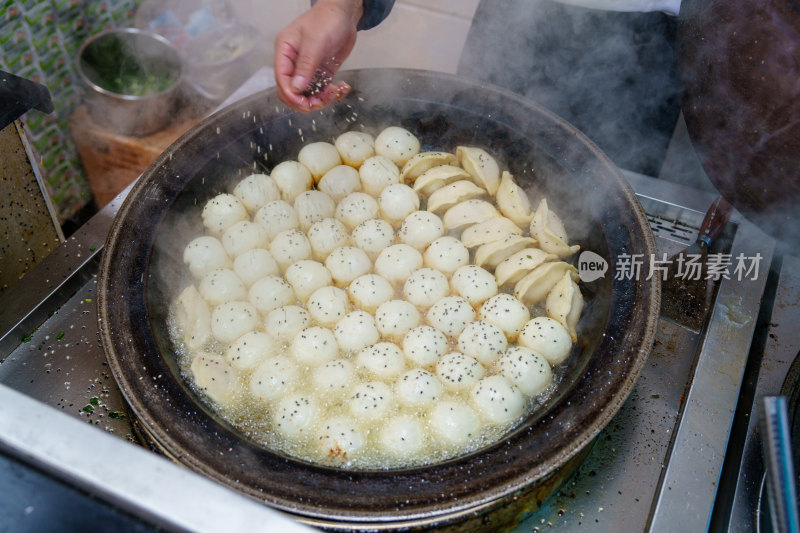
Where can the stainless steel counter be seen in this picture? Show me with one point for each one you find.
(781, 347)
(656, 467)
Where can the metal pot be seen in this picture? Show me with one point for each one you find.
(738, 63)
(495, 483)
(107, 55)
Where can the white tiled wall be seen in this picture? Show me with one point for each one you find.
(424, 34)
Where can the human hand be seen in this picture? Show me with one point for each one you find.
(310, 50)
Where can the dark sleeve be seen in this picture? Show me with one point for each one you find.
(374, 13)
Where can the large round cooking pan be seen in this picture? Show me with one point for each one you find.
(142, 262)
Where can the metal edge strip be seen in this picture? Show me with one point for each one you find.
(45, 288)
(37, 172)
(125, 475)
(779, 355)
(689, 485)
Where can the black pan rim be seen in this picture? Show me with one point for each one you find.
(650, 293)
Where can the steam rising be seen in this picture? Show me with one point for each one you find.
(612, 75)
(255, 135)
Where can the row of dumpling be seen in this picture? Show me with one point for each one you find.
(355, 162)
(291, 252)
(243, 239)
(237, 295)
(524, 248)
(480, 345)
(345, 419)
(459, 399)
(480, 342)
(474, 397)
(420, 402)
(365, 312)
(311, 282)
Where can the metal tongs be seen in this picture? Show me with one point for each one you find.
(686, 299)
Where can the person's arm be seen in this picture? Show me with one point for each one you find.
(375, 11)
(310, 50)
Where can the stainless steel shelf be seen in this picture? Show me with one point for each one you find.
(654, 468)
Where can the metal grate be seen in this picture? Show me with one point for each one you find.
(674, 230)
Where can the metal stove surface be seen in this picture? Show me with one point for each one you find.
(778, 348)
(656, 467)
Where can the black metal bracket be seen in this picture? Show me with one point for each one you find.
(18, 95)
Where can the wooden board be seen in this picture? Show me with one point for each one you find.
(113, 160)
